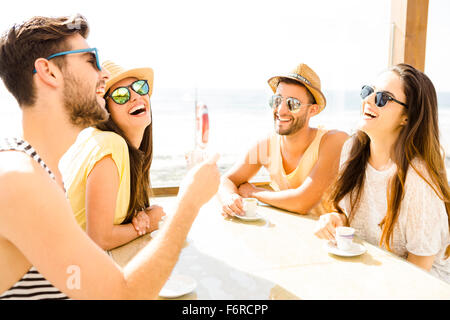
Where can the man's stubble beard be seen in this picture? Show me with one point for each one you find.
(297, 124)
(82, 105)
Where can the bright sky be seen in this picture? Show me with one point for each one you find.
(239, 44)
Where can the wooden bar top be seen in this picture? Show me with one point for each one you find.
(278, 257)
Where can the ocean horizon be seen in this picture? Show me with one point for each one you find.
(237, 119)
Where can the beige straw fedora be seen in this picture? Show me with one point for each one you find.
(119, 73)
(306, 76)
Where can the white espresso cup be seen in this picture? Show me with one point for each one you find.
(250, 205)
(344, 238)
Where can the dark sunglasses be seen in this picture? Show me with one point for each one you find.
(293, 104)
(122, 95)
(93, 50)
(381, 97)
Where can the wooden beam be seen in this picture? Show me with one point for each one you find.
(173, 191)
(408, 32)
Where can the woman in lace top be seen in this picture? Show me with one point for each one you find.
(392, 185)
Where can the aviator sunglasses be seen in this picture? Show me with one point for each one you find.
(381, 97)
(122, 95)
(293, 104)
(93, 50)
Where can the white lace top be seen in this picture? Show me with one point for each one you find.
(422, 227)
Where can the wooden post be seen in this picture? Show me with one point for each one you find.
(408, 32)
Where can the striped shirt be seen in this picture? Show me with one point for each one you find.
(32, 286)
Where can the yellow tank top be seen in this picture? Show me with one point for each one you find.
(282, 181)
(90, 147)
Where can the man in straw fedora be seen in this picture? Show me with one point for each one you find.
(302, 161)
(57, 79)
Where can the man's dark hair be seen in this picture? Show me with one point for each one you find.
(311, 98)
(36, 38)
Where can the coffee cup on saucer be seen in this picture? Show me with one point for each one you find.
(344, 238)
(250, 205)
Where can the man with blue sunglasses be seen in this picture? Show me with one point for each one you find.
(92, 50)
(56, 79)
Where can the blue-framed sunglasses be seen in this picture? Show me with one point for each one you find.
(93, 50)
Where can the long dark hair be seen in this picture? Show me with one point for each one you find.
(419, 138)
(140, 163)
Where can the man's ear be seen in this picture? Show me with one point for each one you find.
(314, 109)
(47, 72)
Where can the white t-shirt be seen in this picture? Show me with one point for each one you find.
(422, 226)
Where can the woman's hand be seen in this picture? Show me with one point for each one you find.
(141, 223)
(155, 214)
(327, 224)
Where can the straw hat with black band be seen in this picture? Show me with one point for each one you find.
(119, 73)
(306, 76)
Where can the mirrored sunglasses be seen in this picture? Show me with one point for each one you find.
(293, 104)
(122, 95)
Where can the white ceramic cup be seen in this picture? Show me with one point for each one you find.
(250, 206)
(344, 238)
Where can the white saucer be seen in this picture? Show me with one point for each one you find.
(178, 285)
(357, 249)
(256, 217)
(154, 233)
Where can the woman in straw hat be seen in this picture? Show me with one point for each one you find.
(107, 170)
(392, 186)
